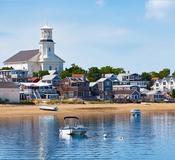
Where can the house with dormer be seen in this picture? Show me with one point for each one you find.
(165, 84)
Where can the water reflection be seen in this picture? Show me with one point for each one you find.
(126, 137)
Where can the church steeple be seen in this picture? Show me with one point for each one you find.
(46, 33)
(46, 42)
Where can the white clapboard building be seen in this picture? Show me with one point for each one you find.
(43, 58)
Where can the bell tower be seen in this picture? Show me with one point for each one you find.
(48, 60)
(46, 43)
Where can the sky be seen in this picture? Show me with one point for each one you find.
(138, 35)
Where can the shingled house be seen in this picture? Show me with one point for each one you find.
(127, 95)
(102, 89)
(43, 58)
(76, 86)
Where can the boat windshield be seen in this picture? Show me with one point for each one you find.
(71, 121)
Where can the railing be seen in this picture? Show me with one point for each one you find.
(36, 94)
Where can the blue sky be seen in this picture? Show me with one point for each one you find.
(138, 35)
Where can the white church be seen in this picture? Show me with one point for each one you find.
(43, 58)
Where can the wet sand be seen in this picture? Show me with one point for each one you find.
(82, 109)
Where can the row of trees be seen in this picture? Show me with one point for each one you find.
(161, 74)
(93, 73)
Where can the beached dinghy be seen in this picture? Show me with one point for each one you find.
(49, 108)
(73, 127)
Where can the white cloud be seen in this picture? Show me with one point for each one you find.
(100, 2)
(159, 9)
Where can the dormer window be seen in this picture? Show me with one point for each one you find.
(157, 84)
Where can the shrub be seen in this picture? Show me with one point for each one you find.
(72, 101)
(4, 101)
(27, 102)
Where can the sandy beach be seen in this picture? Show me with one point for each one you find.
(82, 109)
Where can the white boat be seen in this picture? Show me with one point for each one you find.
(135, 112)
(49, 108)
(73, 127)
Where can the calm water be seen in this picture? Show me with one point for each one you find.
(152, 137)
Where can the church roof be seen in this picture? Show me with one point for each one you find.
(22, 56)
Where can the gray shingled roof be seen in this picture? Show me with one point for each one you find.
(22, 56)
(76, 79)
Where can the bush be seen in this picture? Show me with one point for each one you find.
(72, 101)
(4, 101)
(173, 93)
(53, 101)
(29, 102)
(100, 102)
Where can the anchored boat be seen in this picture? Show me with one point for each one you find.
(73, 127)
(135, 112)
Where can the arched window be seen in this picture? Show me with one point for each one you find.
(49, 49)
(50, 67)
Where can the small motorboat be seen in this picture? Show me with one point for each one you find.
(135, 112)
(73, 127)
(48, 108)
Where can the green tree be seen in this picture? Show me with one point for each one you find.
(164, 73)
(40, 73)
(146, 76)
(173, 93)
(173, 74)
(109, 69)
(118, 70)
(65, 74)
(43, 73)
(93, 74)
(6, 68)
(154, 74)
(35, 74)
(106, 70)
(74, 69)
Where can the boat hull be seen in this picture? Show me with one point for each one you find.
(73, 131)
(48, 108)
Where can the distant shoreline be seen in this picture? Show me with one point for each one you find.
(82, 109)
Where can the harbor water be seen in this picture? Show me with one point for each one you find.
(120, 137)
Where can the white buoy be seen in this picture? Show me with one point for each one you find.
(120, 138)
(105, 135)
